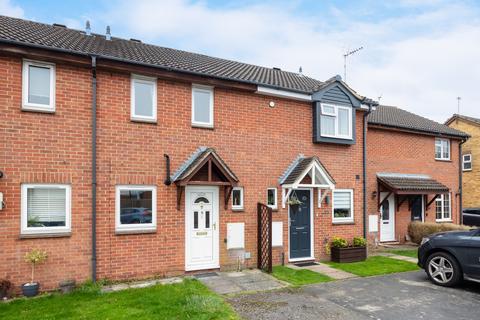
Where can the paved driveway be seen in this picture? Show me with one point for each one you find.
(404, 296)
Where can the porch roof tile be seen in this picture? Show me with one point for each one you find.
(415, 183)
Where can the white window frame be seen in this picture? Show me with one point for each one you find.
(25, 88)
(148, 227)
(135, 78)
(469, 161)
(241, 206)
(25, 230)
(441, 140)
(342, 220)
(335, 114)
(275, 205)
(209, 90)
(441, 199)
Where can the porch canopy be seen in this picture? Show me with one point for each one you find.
(206, 168)
(306, 172)
(405, 185)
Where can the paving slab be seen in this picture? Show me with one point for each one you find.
(237, 282)
(140, 284)
(398, 257)
(326, 270)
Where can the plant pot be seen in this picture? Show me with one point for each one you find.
(350, 254)
(30, 289)
(67, 286)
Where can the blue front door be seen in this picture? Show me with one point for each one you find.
(300, 236)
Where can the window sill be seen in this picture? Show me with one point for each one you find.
(444, 221)
(203, 126)
(142, 120)
(238, 209)
(443, 160)
(466, 170)
(135, 231)
(343, 222)
(45, 235)
(28, 108)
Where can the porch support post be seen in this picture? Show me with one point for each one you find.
(431, 201)
(228, 193)
(386, 197)
(179, 196)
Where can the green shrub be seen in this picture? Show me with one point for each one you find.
(418, 230)
(339, 242)
(359, 242)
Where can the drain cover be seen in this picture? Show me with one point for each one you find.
(206, 275)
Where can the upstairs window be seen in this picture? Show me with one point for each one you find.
(237, 198)
(272, 198)
(143, 99)
(443, 207)
(38, 87)
(442, 149)
(467, 162)
(202, 106)
(336, 121)
(342, 206)
(45, 208)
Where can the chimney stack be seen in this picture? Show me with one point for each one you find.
(88, 31)
(108, 36)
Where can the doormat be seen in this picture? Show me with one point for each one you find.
(305, 264)
(206, 275)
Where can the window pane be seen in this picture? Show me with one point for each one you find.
(438, 208)
(38, 85)
(143, 98)
(343, 122)
(386, 210)
(46, 207)
(201, 106)
(327, 125)
(237, 198)
(135, 206)
(195, 220)
(438, 148)
(271, 201)
(341, 205)
(446, 149)
(467, 165)
(328, 109)
(207, 219)
(446, 206)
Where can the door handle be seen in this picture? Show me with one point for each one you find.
(300, 228)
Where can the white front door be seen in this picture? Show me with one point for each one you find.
(387, 218)
(201, 228)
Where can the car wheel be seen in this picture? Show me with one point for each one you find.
(443, 269)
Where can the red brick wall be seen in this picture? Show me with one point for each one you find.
(400, 152)
(45, 148)
(257, 142)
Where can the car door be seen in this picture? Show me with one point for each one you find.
(472, 266)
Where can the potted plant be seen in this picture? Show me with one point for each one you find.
(34, 257)
(342, 252)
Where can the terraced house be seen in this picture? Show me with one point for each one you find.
(127, 160)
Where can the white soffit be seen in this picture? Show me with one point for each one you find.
(283, 94)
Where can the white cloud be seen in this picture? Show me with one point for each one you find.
(9, 9)
(421, 60)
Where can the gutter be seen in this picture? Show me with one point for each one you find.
(94, 168)
(364, 165)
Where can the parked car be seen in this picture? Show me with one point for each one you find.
(135, 215)
(471, 217)
(450, 257)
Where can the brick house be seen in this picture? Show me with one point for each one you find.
(413, 172)
(126, 160)
(470, 152)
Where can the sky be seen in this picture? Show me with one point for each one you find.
(419, 55)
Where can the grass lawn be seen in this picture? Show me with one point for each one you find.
(375, 265)
(407, 253)
(187, 300)
(298, 277)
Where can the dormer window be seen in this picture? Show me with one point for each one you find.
(336, 121)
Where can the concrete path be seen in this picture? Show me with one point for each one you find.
(401, 296)
(236, 282)
(140, 284)
(398, 257)
(326, 270)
